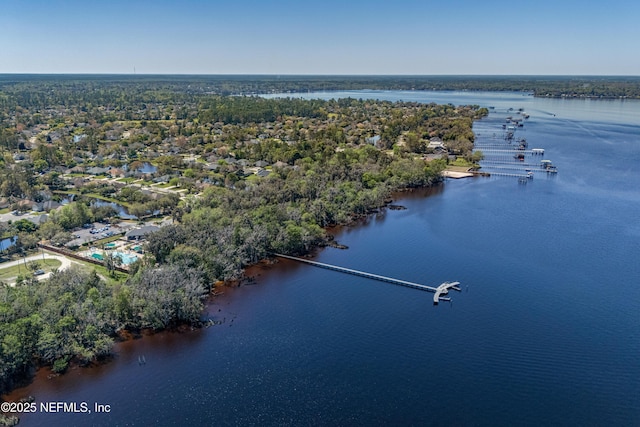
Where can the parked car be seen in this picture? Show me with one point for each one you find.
(38, 272)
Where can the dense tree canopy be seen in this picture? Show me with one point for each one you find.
(241, 176)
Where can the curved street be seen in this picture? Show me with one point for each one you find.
(66, 262)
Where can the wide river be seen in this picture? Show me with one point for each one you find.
(546, 330)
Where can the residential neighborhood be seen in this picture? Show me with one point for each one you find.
(125, 205)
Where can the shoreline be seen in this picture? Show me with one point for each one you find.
(523, 92)
(208, 315)
(326, 342)
(426, 182)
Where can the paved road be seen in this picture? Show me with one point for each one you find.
(11, 217)
(66, 262)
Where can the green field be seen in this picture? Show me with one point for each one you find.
(127, 180)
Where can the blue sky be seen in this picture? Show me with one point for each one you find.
(320, 37)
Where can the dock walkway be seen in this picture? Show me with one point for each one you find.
(443, 289)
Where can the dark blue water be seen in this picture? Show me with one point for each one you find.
(8, 242)
(545, 332)
(148, 168)
(120, 209)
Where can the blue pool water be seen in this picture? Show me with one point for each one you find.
(126, 258)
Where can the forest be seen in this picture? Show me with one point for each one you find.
(235, 178)
(122, 88)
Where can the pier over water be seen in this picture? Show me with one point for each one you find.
(443, 289)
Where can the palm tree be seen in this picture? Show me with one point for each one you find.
(111, 262)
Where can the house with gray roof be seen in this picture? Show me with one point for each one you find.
(140, 233)
(97, 171)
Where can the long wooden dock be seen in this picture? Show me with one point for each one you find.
(443, 289)
(527, 175)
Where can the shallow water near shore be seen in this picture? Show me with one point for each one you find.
(545, 331)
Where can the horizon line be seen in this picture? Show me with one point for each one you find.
(315, 75)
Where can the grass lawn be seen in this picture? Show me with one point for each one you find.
(458, 168)
(127, 180)
(11, 272)
(118, 277)
(49, 264)
(462, 162)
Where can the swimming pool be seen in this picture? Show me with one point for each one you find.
(126, 258)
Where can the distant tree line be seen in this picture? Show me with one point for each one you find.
(122, 91)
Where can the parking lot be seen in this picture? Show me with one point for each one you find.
(97, 231)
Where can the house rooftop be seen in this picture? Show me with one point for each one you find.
(137, 233)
